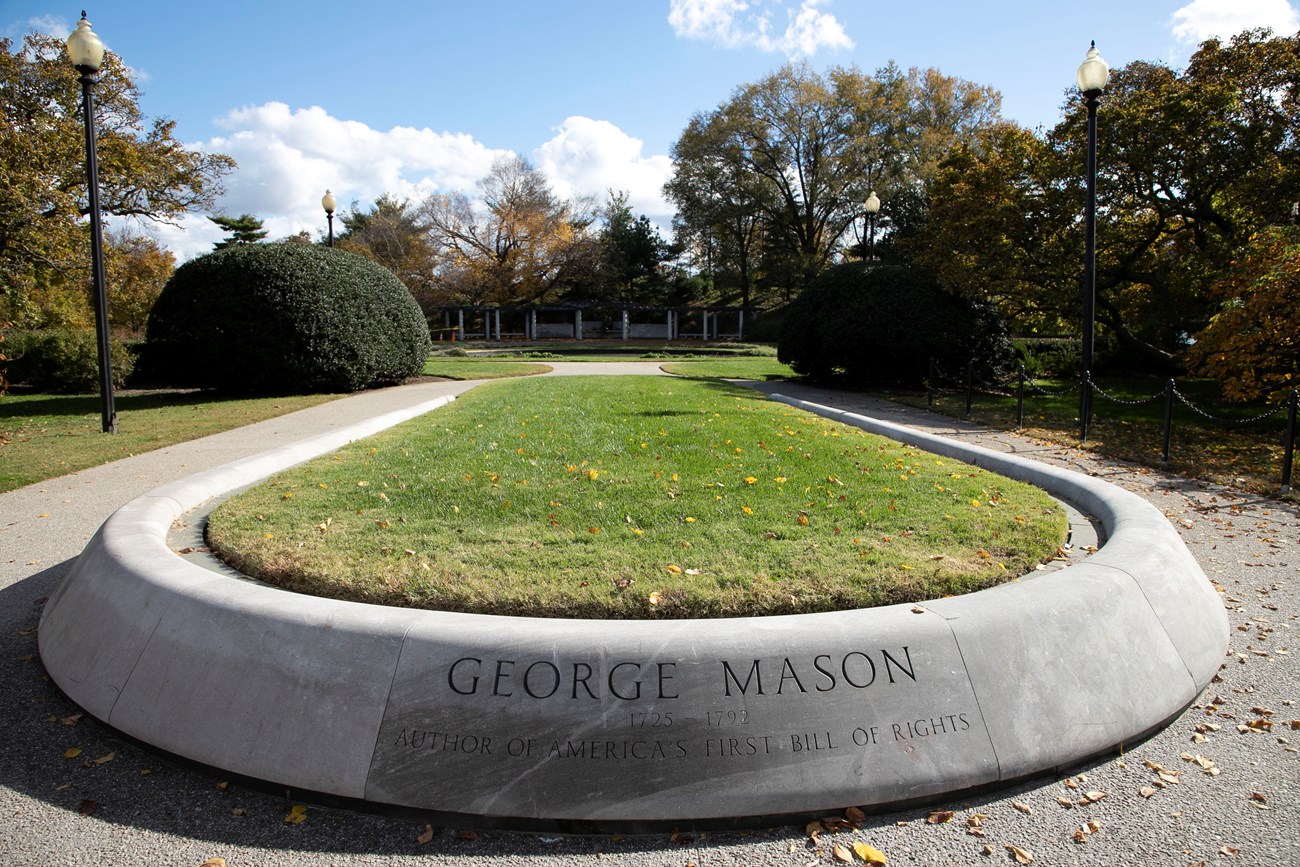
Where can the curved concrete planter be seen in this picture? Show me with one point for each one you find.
(602, 722)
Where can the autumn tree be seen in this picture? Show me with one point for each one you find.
(780, 173)
(396, 235)
(137, 269)
(144, 173)
(518, 243)
(1252, 344)
(1191, 164)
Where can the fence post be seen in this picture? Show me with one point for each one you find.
(1169, 421)
(970, 384)
(1020, 400)
(1085, 405)
(1288, 453)
(929, 384)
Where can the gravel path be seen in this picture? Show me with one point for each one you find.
(115, 804)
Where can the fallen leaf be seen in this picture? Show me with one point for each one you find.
(986, 850)
(425, 836)
(238, 811)
(72, 753)
(1259, 796)
(1095, 796)
(71, 720)
(673, 569)
(853, 814)
(1065, 802)
(214, 862)
(105, 759)
(1022, 856)
(1230, 851)
(939, 817)
(654, 598)
(1146, 791)
(466, 835)
(813, 830)
(842, 853)
(297, 815)
(870, 854)
(1024, 808)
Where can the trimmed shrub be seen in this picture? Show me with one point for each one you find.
(63, 360)
(881, 323)
(284, 318)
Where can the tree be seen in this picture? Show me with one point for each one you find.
(137, 269)
(779, 174)
(244, 229)
(520, 245)
(1252, 345)
(1191, 165)
(144, 173)
(396, 235)
(632, 253)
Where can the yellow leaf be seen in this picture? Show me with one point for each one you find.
(1022, 856)
(592, 475)
(750, 480)
(655, 597)
(105, 759)
(214, 862)
(297, 815)
(747, 510)
(689, 520)
(673, 569)
(870, 854)
(72, 753)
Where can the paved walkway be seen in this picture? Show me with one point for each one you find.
(115, 804)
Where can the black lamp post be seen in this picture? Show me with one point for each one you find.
(87, 54)
(873, 207)
(327, 202)
(1092, 76)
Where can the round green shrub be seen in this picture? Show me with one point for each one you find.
(882, 323)
(62, 360)
(284, 318)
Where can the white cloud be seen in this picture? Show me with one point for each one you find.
(287, 159)
(740, 24)
(1201, 19)
(594, 156)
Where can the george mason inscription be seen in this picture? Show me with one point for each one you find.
(519, 724)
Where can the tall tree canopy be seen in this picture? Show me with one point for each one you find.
(144, 172)
(1191, 165)
(394, 234)
(518, 243)
(776, 178)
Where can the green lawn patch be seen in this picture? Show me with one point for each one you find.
(44, 435)
(731, 368)
(634, 497)
(481, 368)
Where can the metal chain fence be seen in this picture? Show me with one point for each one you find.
(1170, 393)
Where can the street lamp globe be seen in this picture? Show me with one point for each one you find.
(327, 202)
(84, 47)
(873, 203)
(1093, 73)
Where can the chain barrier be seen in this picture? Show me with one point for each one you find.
(1280, 408)
(1159, 394)
(1023, 385)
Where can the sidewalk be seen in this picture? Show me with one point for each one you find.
(59, 810)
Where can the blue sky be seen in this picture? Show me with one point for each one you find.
(415, 97)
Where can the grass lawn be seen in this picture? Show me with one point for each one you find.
(1128, 425)
(484, 368)
(43, 435)
(731, 368)
(634, 497)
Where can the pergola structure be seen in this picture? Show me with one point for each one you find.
(592, 321)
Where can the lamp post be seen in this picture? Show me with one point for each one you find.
(327, 202)
(87, 54)
(1092, 76)
(873, 207)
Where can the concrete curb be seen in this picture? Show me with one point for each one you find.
(634, 721)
